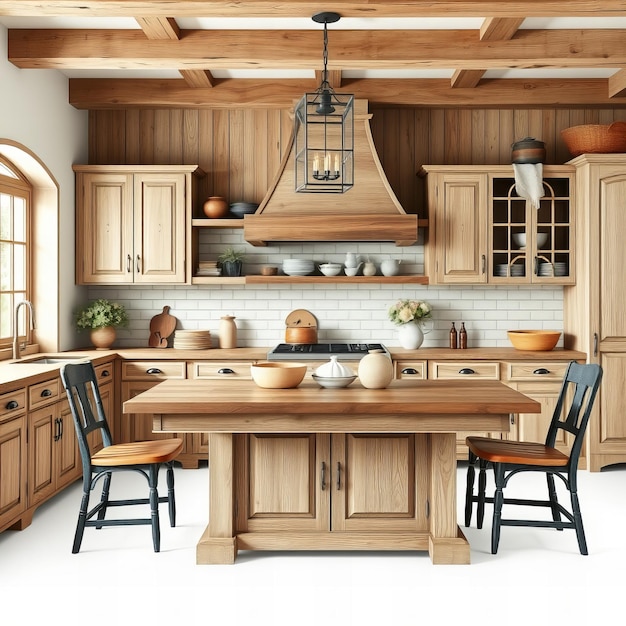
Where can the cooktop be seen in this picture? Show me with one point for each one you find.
(322, 351)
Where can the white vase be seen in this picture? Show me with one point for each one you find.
(410, 336)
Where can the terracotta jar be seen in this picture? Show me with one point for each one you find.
(375, 370)
(215, 207)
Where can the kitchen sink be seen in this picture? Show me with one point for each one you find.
(49, 360)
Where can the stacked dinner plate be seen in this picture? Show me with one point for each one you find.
(546, 269)
(192, 339)
(503, 269)
(298, 267)
(560, 269)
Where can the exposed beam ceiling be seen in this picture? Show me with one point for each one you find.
(499, 60)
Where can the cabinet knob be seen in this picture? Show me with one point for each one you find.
(153, 370)
(105, 373)
(12, 404)
(541, 371)
(46, 393)
(409, 370)
(225, 370)
(466, 370)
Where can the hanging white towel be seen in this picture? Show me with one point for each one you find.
(529, 181)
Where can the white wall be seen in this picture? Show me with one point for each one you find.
(34, 112)
(353, 312)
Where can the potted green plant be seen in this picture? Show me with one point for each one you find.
(101, 317)
(231, 261)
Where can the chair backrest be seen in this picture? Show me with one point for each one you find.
(81, 385)
(581, 383)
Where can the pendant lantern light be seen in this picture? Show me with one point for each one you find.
(324, 133)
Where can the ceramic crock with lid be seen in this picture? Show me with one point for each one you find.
(334, 369)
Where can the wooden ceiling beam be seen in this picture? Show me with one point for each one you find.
(159, 27)
(333, 78)
(617, 84)
(198, 79)
(299, 49)
(247, 93)
(304, 8)
(492, 29)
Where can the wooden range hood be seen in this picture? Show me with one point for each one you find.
(369, 211)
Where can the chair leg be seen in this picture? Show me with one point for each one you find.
(171, 500)
(153, 478)
(554, 504)
(82, 518)
(104, 498)
(498, 501)
(578, 521)
(469, 488)
(482, 486)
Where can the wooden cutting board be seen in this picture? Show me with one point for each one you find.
(161, 327)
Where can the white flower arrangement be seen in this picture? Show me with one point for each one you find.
(405, 311)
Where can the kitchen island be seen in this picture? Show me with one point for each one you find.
(332, 469)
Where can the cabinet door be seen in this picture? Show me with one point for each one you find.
(13, 467)
(68, 465)
(286, 480)
(159, 241)
(373, 483)
(461, 228)
(42, 434)
(104, 232)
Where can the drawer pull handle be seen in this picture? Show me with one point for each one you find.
(338, 476)
(57, 429)
(466, 370)
(12, 404)
(46, 393)
(105, 373)
(225, 370)
(128, 261)
(323, 476)
(541, 371)
(410, 370)
(153, 370)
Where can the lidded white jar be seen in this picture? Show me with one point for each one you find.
(333, 369)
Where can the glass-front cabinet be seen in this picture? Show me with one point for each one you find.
(481, 231)
(531, 244)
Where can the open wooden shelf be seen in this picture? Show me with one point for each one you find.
(264, 280)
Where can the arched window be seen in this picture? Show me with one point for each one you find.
(15, 251)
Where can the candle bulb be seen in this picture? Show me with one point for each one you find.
(316, 163)
(327, 162)
(337, 163)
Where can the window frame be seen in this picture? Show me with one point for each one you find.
(22, 188)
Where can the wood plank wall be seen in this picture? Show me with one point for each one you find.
(241, 149)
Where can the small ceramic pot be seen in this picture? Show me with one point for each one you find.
(215, 207)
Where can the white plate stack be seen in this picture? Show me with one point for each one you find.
(546, 269)
(298, 267)
(192, 339)
(560, 269)
(503, 269)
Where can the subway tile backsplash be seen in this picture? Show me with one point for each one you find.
(350, 312)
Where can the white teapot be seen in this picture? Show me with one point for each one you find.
(352, 259)
(390, 267)
(334, 369)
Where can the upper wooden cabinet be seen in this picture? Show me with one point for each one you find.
(476, 220)
(132, 223)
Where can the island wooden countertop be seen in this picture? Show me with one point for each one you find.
(404, 406)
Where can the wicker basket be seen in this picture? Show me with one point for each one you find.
(595, 138)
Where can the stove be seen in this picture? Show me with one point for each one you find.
(322, 351)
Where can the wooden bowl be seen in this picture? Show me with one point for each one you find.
(278, 375)
(534, 339)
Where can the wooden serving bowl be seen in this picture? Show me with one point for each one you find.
(277, 374)
(536, 340)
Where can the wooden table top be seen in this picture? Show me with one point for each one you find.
(434, 397)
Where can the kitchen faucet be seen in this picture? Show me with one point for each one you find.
(16, 344)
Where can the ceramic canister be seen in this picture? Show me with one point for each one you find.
(375, 370)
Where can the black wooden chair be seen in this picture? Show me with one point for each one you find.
(510, 458)
(145, 458)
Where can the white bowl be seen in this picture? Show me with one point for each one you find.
(351, 271)
(330, 269)
(519, 239)
(333, 382)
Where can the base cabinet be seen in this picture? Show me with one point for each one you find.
(13, 457)
(325, 483)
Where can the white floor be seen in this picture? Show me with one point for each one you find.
(116, 579)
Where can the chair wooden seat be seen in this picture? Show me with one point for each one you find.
(527, 453)
(145, 458)
(139, 453)
(511, 458)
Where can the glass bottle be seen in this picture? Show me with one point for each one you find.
(462, 337)
(453, 337)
